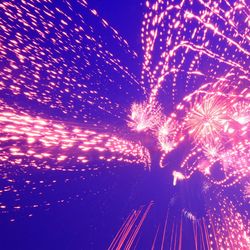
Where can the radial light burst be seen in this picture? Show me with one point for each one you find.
(61, 64)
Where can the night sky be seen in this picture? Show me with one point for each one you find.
(124, 124)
